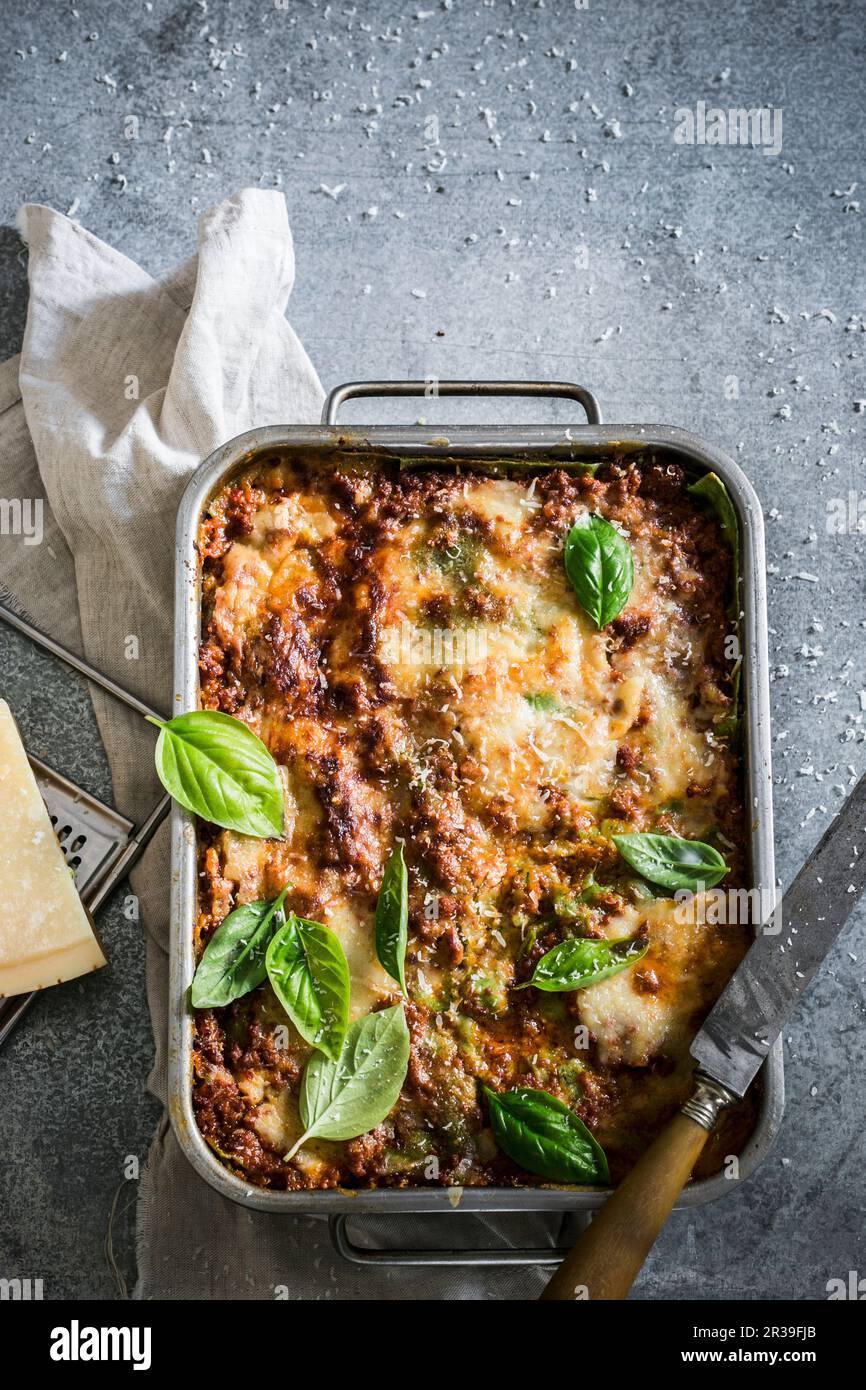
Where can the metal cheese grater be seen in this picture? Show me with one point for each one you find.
(100, 845)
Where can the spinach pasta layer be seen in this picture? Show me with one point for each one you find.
(411, 649)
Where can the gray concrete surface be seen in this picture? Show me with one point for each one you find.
(493, 190)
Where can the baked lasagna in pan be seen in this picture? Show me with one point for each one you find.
(410, 646)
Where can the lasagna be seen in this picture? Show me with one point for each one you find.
(406, 642)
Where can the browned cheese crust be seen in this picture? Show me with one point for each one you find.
(409, 648)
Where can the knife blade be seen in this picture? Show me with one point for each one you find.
(748, 1016)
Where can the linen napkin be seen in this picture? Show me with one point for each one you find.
(124, 385)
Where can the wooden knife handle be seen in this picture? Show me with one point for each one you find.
(608, 1257)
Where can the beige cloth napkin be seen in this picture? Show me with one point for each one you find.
(124, 385)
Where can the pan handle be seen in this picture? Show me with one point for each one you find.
(434, 387)
(575, 1223)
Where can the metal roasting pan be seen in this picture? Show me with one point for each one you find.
(542, 446)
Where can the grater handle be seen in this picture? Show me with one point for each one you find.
(83, 668)
(434, 387)
(136, 847)
(12, 1011)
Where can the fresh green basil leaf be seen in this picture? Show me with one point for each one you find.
(233, 961)
(342, 1099)
(220, 770)
(392, 918)
(581, 961)
(600, 565)
(541, 1134)
(309, 974)
(672, 862)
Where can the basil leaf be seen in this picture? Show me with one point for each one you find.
(541, 1134)
(581, 961)
(342, 1099)
(599, 563)
(392, 918)
(309, 974)
(220, 770)
(233, 961)
(672, 862)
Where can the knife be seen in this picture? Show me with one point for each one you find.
(729, 1050)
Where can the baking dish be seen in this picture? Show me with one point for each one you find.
(502, 444)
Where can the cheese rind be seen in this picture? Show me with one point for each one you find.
(45, 933)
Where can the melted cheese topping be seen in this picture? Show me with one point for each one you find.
(632, 1026)
(413, 653)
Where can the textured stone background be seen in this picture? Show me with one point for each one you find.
(549, 227)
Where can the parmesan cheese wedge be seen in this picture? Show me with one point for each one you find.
(45, 934)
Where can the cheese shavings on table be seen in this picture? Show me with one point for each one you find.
(45, 934)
